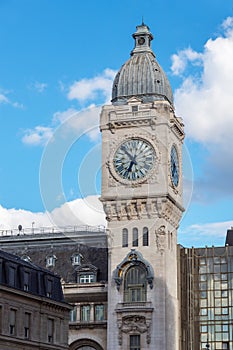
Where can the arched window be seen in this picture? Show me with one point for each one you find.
(124, 237)
(135, 237)
(145, 237)
(51, 260)
(76, 259)
(135, 283)
(85, 344)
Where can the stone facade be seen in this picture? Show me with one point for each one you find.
(33, 314)
(135, 202)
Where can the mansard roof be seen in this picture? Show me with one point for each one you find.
(12, 274)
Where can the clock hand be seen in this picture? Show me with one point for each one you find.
(133, 162)
(128, 154)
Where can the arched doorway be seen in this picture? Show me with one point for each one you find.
(85, 344)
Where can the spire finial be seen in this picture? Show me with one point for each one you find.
(143, 21)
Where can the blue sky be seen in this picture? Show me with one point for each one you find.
(58, 60)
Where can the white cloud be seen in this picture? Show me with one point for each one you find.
(203, 234)
(180, 60)
(206, 103)
(87, 211)
(81, 211)
(3, 98)
(89, 89)
(6, 100)
(39, 87)
(83, 121)
(37, 136)
(73, 120)
(66, 123)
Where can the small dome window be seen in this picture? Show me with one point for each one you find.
(76, 259)
(26, 258)
(51, 260)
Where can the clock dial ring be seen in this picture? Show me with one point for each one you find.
(134, 159)
(174, 166)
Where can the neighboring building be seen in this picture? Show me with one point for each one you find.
(33, 314)
(131, 286)
(80, 258)
(206, 295)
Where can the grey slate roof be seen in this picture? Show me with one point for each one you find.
(13, 268)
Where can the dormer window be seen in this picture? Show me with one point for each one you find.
(86, 274)
(87, 278)
(51, 260)
(76, 259)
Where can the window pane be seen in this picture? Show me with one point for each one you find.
(135, 237)
(85, 313)
(89, 278)
(50, 330)
(73, 314)
(135, 284)
(124, 237)
(12, 318)
(12, 275)
(26, 324)
(135, 342)
(26, 277)
(145, 238)
(99, 312)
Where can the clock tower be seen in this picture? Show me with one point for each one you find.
(142, 199)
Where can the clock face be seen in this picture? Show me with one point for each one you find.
(174, 166)
(141, 41)
(134, 159)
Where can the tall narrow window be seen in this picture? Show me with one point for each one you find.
(135, 342)
(135, 237)
(135, 284)
(12, 276)
(85, 313)
(145, 237)
(26, 279)
(49, 288)
(124, 237)
(225, 345)
(73, 314)
(50, 330)
(99, 312)
(12, 324)
(26, 325)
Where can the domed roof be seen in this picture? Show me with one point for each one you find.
(141, 76)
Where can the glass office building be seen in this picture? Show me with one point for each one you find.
(206, 293)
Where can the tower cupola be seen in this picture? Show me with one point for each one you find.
(141, 76)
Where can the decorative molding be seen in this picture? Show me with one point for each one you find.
(133, 209)
(134, 324)
(161, 239)
(133, 258)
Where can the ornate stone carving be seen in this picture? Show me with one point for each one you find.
(133, 258)
(161, 239)
(132, 324)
